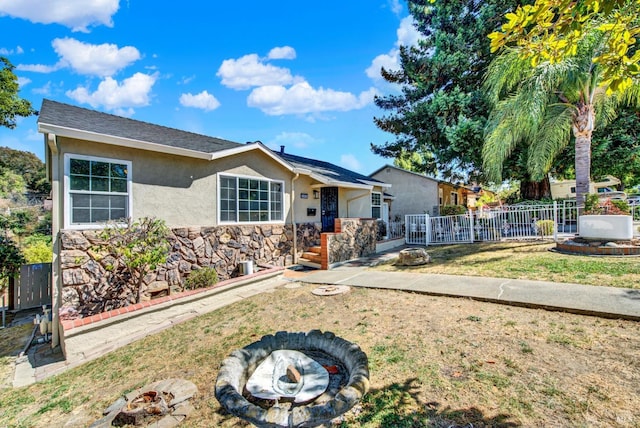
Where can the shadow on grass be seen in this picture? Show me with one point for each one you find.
(398, 405)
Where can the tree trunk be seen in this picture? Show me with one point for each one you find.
(582, 129)
(535, 190)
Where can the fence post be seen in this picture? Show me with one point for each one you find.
(555, 221)
(471, 226)
(427, 230)
(407, 227)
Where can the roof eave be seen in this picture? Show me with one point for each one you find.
(63, 131)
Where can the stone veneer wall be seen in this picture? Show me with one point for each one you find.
(308, 236)
(89, 288)
(353, 238)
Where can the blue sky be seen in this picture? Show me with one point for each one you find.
(292, 73)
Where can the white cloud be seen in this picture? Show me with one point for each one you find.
(249, 71)
(301, 98)
(96, 60)
(407, 36)
(203, 100)
(396, 7)
(350, 162)
(18, 50)
(284, 52)
(43, 90)
(38, 68)
(23, 81)
(117, 97)
(75, 14)
(299, 140)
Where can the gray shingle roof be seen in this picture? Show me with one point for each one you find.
(326, 169)
(82, 119)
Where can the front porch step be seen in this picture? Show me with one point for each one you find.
(315, 249)
(312, 257)
(308, 263)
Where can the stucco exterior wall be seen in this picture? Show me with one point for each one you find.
(413, 193)
(180, 190)
(302, 185)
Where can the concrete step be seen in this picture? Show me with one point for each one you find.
(312, 257)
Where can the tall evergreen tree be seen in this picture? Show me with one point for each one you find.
(441, 111)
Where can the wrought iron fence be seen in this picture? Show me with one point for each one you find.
(506, 222)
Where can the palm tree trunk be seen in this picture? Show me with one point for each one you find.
(582, 129)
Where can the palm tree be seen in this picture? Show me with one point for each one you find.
(542, 106)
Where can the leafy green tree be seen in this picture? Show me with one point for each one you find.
(615, 150)
(11, 105)
(439, 117)
(12, 185)
(542, 105)
(139, 246)
(28, 166)
(10, 260)
(553, 30)
(38, 248)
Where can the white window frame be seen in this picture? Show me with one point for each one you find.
(454, 198)
(379, 206)
(237, 209)
(67, 189)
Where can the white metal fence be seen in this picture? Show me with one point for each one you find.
(506, 222)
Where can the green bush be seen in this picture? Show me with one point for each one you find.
(452, 210)
(201, 278)
(592, 204)
(545, 227)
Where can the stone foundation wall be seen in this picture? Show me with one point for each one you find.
(354, 238)
(308, 235)
(89, 287)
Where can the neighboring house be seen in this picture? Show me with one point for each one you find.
(451, 194)
(224, 202)
(413, 193)
(475, 192)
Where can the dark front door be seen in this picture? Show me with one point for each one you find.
(328, 207)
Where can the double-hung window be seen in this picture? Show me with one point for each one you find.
(98, 190)
(376, 204)
(244, 199)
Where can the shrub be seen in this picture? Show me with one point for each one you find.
(201, 278)
(139, 246)
(545, 227)
(594, 206)
(452, 210)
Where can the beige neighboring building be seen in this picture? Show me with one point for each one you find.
(413, 193)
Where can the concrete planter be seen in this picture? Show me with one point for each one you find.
(609, 227)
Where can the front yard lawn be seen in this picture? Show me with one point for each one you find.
(528, 260)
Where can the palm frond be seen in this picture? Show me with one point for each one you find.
(552, 137)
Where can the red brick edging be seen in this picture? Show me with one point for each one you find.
(598, 251)
(80, 322)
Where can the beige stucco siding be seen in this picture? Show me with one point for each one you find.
(413, 193)
(180, 190)
(302, 185)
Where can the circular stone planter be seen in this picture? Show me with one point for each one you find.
(240, 364)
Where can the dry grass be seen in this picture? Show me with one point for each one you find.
(434, 361)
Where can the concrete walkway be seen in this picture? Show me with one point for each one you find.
(86, 343)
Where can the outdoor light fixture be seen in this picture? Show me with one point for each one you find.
(316, 194)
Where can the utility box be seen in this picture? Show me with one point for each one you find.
(246, 267)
